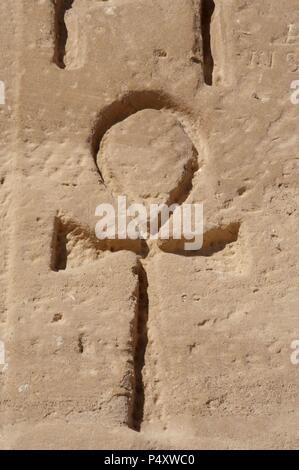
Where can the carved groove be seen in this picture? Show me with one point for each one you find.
(207, 11)
(60, 29)
(214, 240)
(140, 341)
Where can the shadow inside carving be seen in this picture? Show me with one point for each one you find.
(207, 11)
(123, 108)
(214, 241)
(67, 230)
(60, 30)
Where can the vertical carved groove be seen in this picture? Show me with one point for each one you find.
(60, 29)
(59, 249)
(207, 11)
(136, 410)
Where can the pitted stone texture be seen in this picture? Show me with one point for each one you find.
(148, 156)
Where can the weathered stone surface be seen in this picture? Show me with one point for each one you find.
(148, 157)
(113, 345)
